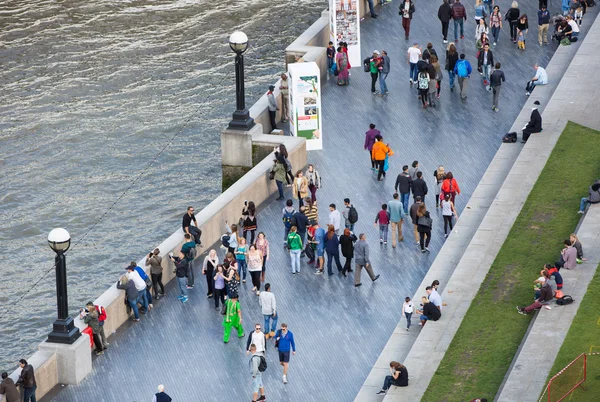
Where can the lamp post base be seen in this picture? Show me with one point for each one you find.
(64, 331)
(241, 120)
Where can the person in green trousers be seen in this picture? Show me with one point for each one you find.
(232, 319)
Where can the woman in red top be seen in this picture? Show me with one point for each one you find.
(449, 186)
(383, 218)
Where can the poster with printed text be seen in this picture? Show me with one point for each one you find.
(305, 103)
(344, 26)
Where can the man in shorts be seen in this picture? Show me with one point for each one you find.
(257, 384)
(319, 240)
(284, 340)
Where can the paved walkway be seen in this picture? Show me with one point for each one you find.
(340, 330)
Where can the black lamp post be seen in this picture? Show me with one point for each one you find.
(238, 41)
(63, 329)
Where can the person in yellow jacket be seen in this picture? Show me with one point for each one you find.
(300, 188)
(379, 152)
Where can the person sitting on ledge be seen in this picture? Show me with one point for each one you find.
(577, 244)
(398, 378)
(540, 78)
(429, 312)
(568, 256)
(535, 123)
(546, 295)
(553, 271)
(594, 197)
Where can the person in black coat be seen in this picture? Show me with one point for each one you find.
(419, 187)
(402, 186)
(445, 15)
(535, 123)
(347, 244)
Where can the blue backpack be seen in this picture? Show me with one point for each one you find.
(287, 218)
(461, 69)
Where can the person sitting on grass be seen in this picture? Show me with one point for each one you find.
(568, 256)
(429, 311)
(398, 378)
(594, 197)
(546, 295)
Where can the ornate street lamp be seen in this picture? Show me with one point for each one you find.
(64, 330)
(238, 41)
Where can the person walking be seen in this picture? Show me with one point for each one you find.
(208, 269)
(396, 219)
(451, 60)
(374, 70)
(496, 80)
(347, 244)
(407, 309)
(480, 13)
(512, 15)
(258, 339)
(154, 261)
(8, 389)
(463, 70)
(459, 15)
(543, 23)
(349, 214)
(361, 254)
(332, 247)
(450, 186)
(300, 189)
(268, 305)
(294, 245)
(412, 171)
(278, 173)
(423, 86)
(496, 23)
(407, 8)
(413, 56)
(438, 74)
(419, 187)
(403, 186)
(414, 218)
(319, 241)
(89, 316)
(273, 108)
(522, 29)
(257, 383)
(284, 342)
(485, 61)
(255, 260)
(383, 72)
(263, 245)
(445, 15)
(424, 223)
(383, 219)
(448, 212)
(288, 213)
(370, 136)
(335, 218)
(249, 219)
(241, 253)
(232, 318)
(131, 295)
(161, 395)
(314, 181)
(219, 286)
(27, 381)
(439, 176)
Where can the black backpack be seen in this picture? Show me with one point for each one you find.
(563, 301)
(191, 254)
(262, 364)
(367, 64)
(225, 240)
(510, 137)
(352, 215)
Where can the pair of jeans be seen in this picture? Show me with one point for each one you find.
(156, 282)
(279, 188)
(486, 69)
(382, 85)
(295, 256)
(408, 318)
(349, 226)
(413, 72)
(383, 232)
(447, 222)
(458, 22)
(404, 199)
(495, 33)
(134, 307)
(242, 268)
(182, 282)
(143, 299)
(373, 81)
(219, 294)
(584, 201)
(329, 63)
(273, 320)
(372, 8)
(330, 257)
(451, 76)
(424, 243)
(29, 394)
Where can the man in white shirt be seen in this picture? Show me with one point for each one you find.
(269, 310)
(434, 297)
(258, 339)
(540, 78)
(335, 218)
(140, 285)
(413, 56)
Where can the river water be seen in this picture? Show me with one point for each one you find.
(90, 93)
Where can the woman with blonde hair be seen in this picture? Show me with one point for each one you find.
(131, 294)
(398, 378)
(512, 15)
(439, 175)
(300, 188)
(208, 267)
(577, 244)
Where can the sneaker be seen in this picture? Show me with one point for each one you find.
(243, 281)
(494, 43)
(180, 297)
(579, 261)
(376, 277)
(209, 296)
(446, 236)
(106, 345)
(407, 329)
(99, 353)
(380, 392)
(462, 36)
(527, 93)
(445, 41)
(493, 107)
(184, 300)
(381, 241)
(426, 249)
(189, 287)
(451, 89)
(438, 96)
(580, 212)
(285, 379)
(411, 81)
(318, 272)
(258, 292)
(360, 284)
(136, 319)
(385, 243)
(496, 109)
(262, 398)
(522, 312)
(423, 250)
(485, 82)
(254, 289)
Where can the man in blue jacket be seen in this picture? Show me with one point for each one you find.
(285, 343)
(462, 69)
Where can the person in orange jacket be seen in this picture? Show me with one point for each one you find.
(449, 186)
(378, 153)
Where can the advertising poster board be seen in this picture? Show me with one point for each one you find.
(344, 26)
(305, 103)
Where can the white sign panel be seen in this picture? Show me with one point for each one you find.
(305, 103)
(344, 26)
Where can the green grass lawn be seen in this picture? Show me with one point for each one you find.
(485, 343)
(583, 337)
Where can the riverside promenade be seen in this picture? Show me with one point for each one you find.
(339, 329)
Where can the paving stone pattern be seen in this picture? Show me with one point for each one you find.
(339, 330)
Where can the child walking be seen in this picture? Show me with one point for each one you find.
(520, 39)
(407, 308)
(383, 218)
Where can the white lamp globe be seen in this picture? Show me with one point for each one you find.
(238, 41)
(59, 240)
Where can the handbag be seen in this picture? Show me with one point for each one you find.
(425, 221)
(271, 175)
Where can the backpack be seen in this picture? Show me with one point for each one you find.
(352, 215)
(225, 240)
(510, 137)
(423, 81)
(191, 254)
(563, 301)
(262, 364)
(287, 218)
(565, 42)
(101, 313)
(462, 69)
(367, 64)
